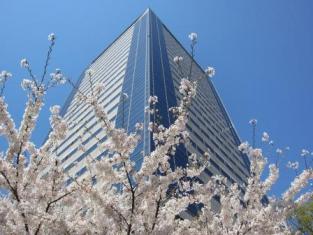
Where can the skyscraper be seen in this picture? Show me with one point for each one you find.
(137, 65)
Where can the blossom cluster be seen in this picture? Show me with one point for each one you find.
(210, 72)
(265, 137)
(305, 152)
(193, 37)
(117, 197)
(293, 165)
(24, 63)
(178, 59)
(58, 77)
(4, 75)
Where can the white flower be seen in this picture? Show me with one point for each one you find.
(206, 156)
(125, 96)
(4, 75)
(105, 200)
(151, 126)
(153, 99)
(2, 132)
(193, 37)
(99, 87)
(210, 72)
(178, 59)
(147, 109)
(89, 72)
(51, 37)
(186, 87)
(55, 109)
(257, 153)
(243, 147)
(58, 77)
(265, 137)
(27, 84)
(218, 178)
(293, 165)
(24, 63)
(299, 182)
(304, 153)
(279, 151)
(271, 142)
(253, 122)
(139, 126)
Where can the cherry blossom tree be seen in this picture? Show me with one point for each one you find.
(32, 178)
(116, 197)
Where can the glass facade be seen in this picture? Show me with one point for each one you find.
(137, 65)
(209, 124)
(109, 68)
(162, 84)
(141, 81)
(134, 93)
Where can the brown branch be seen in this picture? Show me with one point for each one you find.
(52, 202)
(47, 62)
(156, 212)
(56, 200)
(49, 206)
(14, 192)
(133, 198)
(120, 215)
(12, 189)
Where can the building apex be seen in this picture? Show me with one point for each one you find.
(147, 11)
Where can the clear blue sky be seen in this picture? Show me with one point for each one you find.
(262, 51)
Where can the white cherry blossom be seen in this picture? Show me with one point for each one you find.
(51, 37)
(265, 137)
(193, 37)
(210, 72)
(4, 75)
(24, 63)
(115, 196)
